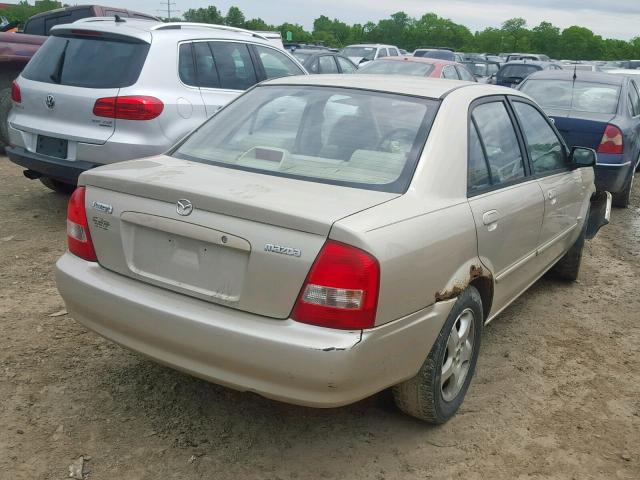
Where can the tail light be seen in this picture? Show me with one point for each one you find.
(16, 95)
(611, 140)
(341, 290)
(128, 107)
(78, 235)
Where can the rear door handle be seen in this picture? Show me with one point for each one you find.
(490, 219)
(551, 193)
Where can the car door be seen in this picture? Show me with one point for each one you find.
(563, 188)
(507, 203)
(633, 133)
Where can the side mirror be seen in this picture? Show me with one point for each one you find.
(583, 157)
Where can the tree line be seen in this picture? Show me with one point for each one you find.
(430, 30)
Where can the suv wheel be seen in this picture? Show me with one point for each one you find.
(58, 186)
(437, 391)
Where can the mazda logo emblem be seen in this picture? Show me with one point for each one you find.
(184, 208)
(50, 102)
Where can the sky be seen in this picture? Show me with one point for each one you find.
(611, 19)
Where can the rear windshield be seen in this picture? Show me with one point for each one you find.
(518, 71)
(394, 67)
(87, 62)
(364, 52)
(578, 96)
(440, 54)
(348, 137)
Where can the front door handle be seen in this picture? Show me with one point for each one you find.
(490, 219)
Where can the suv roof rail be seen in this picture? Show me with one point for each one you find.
(178, 25)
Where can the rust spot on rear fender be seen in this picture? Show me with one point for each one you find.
(476, 271)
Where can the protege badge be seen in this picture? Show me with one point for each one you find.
(292, 252)
(102, 207)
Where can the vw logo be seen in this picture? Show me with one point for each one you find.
(50, 102)
(184, 208)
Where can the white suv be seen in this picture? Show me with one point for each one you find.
(365, 52)
(104, 90)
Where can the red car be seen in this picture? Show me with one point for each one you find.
(417, 66)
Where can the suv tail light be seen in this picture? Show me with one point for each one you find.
(341, 289)
(128, 107)
(16, 95)
(611, 140)
(78, 236)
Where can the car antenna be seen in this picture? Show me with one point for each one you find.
(119, 19)
(575, 72)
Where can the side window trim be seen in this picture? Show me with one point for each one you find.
(516, 128)
(530, 171)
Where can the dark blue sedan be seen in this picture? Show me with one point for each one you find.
(596, 110)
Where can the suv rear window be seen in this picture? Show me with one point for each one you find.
(88, 62)
(517, 71)
(333, 135)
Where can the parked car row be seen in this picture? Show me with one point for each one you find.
(209, 163)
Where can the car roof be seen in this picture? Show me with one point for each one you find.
(369, 45)
(435, 88)
(146, 29)
(430, 61)
(581, 75)
(539, 63)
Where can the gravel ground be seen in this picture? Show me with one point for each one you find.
(556, 394)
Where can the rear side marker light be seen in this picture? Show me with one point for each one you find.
(133, 107)
(78, 235)
(16, 95)
(341, 289)
(611, 141)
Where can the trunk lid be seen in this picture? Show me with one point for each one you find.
(248, 243)
(581, 129)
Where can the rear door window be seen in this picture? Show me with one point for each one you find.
(634, 100)
(450, 72)
(328, 64)
(545, 148)
(477, 167)
(393, 52)
(465, 75)
(382, 52)
(206, 71)
(88, 62)
(499, 142)
(277, 64)
(186, 66)
(345, 65)
(234, 65)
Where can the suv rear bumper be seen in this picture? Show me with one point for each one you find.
(57, 168)
(279, 359)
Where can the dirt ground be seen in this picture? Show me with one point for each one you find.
(556, 394)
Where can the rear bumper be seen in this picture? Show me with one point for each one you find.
(279, 359)
(57, 168)
(612, 177)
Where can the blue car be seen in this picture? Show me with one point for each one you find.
(599, 111)
(512, 74)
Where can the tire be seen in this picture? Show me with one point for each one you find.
(622, 199)
(568, 267)
(425, 396)
(5, 107)
(58, 186)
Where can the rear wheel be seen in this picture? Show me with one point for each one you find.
(58, 186)
(5, 106)
(437, 391)
(622, 199)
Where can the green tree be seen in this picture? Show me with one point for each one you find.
(579, 43)
(299, 34)
(204, 15)
(235, 17)
(258, 24)
(545, 38)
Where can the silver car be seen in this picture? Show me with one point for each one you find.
(104, 90)
(322, 238)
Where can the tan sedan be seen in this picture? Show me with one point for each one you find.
(323, 238)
